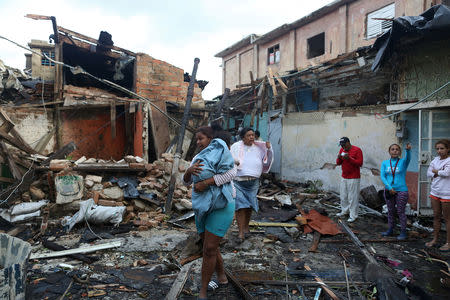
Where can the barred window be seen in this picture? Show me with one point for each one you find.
(45, 61)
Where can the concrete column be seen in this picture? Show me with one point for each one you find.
(255, 61)
(238, 61)
(223, 76)
(292, 45)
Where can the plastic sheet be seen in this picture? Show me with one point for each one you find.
(432, 24)
(95, 214)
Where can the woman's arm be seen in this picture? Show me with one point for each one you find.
(218, 180)
(383, 176)
(445, 172)
(430, 170)
(194, 169)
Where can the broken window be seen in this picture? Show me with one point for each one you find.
(316, 45)
(273, 55)
(45, 61)
(379, 21)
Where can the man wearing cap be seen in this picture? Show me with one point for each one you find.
(351, 159)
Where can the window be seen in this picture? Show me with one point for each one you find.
(273, 55)
(316, 45)
(45, 61)
(380, 21)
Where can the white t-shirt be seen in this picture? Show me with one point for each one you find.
(440, 185)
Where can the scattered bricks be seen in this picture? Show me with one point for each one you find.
(88, 183)
(181, 168)
(183, 188)
(130, 208)
(159, 164)
(141, 205)
(177, 194)
(107, 184)
(142, 228)
(159, 218)
(143, 216)
(168, 167)
(148, 167)
(114, 192)
(89, 194)
(59, 164)
(158, 186)
(94, 178)
(189, 194)
(167, 157)
(36, 193)
(104, 202)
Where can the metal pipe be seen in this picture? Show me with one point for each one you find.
(176, 161)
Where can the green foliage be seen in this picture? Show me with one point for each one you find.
(314, 186)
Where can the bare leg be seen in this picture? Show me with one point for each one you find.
(240, 219)
(446, 214)
(220, 271)
(211, 244)
(437, 212)
(248, 215)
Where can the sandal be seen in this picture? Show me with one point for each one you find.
(430, 244)
(445, 248)
(214, 284)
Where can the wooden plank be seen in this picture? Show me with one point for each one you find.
(265, 198)
(179, 282)
(238, 285)
(92, 40)
(281, 82)
(320, 281)
(303, 283)
(272, 224)
(272, 82)
(37, 17)
(16, 143)
(7, 180)
(16, 230)
(315, 242)
(10, 161)
(56, 247)
(86, 249)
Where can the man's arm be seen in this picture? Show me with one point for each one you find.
(358, 159)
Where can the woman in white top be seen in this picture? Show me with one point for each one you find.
(439, 172)
(252, 159)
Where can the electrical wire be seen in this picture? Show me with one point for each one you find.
(21, 181)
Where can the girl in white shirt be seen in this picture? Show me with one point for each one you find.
(439, 172)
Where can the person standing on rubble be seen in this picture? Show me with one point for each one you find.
(212, 171)
(393, 173)
(351, 159)
(439, 172)
(252, 159)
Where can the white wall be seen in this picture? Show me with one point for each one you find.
(311, 139)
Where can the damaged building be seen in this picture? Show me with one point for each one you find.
(307, 83)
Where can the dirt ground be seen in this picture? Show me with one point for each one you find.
(147, 263)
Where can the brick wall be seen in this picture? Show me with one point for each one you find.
(160, 81)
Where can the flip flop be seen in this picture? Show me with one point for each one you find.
(214, 284)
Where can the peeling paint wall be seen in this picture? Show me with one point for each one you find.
(32, 124)
(310, 140)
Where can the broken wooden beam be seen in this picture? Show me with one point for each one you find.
(179, 282)
(244, 293)
(272, 82)
(17, 174)
(315, 242)
(86, 249)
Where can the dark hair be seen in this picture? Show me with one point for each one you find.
(389, 149)
(257, 133)
(444, 142)
(244, 131)
(207, 131)
(224, 136)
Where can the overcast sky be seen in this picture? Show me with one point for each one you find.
(173, 31)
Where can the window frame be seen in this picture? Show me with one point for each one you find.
(309, 41)
(44, 61)
(382, 24)
(276, 59)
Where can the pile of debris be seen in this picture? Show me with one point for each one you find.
(141, 189)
